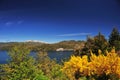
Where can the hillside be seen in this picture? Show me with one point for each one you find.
(43, 46)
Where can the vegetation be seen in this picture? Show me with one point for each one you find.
(114, 39)
(21, 66)
(99, 67)
(93, 43)
(50, 68)
(95, 59)
(37, 46)
(100, 42)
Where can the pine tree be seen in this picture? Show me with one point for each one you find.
(100, 43)
(114, 39)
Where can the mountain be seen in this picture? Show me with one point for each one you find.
(41, 45)
(36, 41)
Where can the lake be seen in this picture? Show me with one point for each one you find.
(52, 54)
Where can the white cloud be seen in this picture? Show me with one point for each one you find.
(9, 23)
(19, 22)
(75, 34)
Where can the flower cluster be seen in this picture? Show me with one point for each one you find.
(97, 65)
(76, 65)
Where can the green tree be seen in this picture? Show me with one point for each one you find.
(50, 68)
(94, 44)
(21, 65)
(114, 39)
(100, 43)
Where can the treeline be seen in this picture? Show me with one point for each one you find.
(7, 45)
(99, 42)
(63, 44)
(36, 46)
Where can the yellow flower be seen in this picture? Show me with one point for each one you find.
(98, 65)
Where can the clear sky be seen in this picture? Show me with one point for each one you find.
(57, 20)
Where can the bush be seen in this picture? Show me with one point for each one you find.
(99, 67)
(21, 66)
(50, 68)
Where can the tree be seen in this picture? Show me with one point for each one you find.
(114, 39)
(50, 68)
(21, 66)
(100, 43)
(94, 44)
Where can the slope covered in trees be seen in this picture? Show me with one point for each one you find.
(36, 46)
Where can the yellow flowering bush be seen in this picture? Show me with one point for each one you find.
(76, 65)
(97, 66)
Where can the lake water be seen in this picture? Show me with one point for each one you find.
(53, 54)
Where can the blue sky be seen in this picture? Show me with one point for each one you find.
(57, 20)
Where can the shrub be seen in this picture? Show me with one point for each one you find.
(99, 67)
(21, 66)
(50, 68)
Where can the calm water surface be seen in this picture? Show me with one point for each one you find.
(53, 55)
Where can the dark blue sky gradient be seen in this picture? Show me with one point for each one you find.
(56, 20)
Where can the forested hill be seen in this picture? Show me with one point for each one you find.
(70, 44)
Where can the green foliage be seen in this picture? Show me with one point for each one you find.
(1, 71)
(114, 39)
(94, 44)
(21, 66)
(83, 78)
(57, 74)
(100, 43)
(19, 53)
(36, 46)
(50, 68)
(44, 63)
(77, 49)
